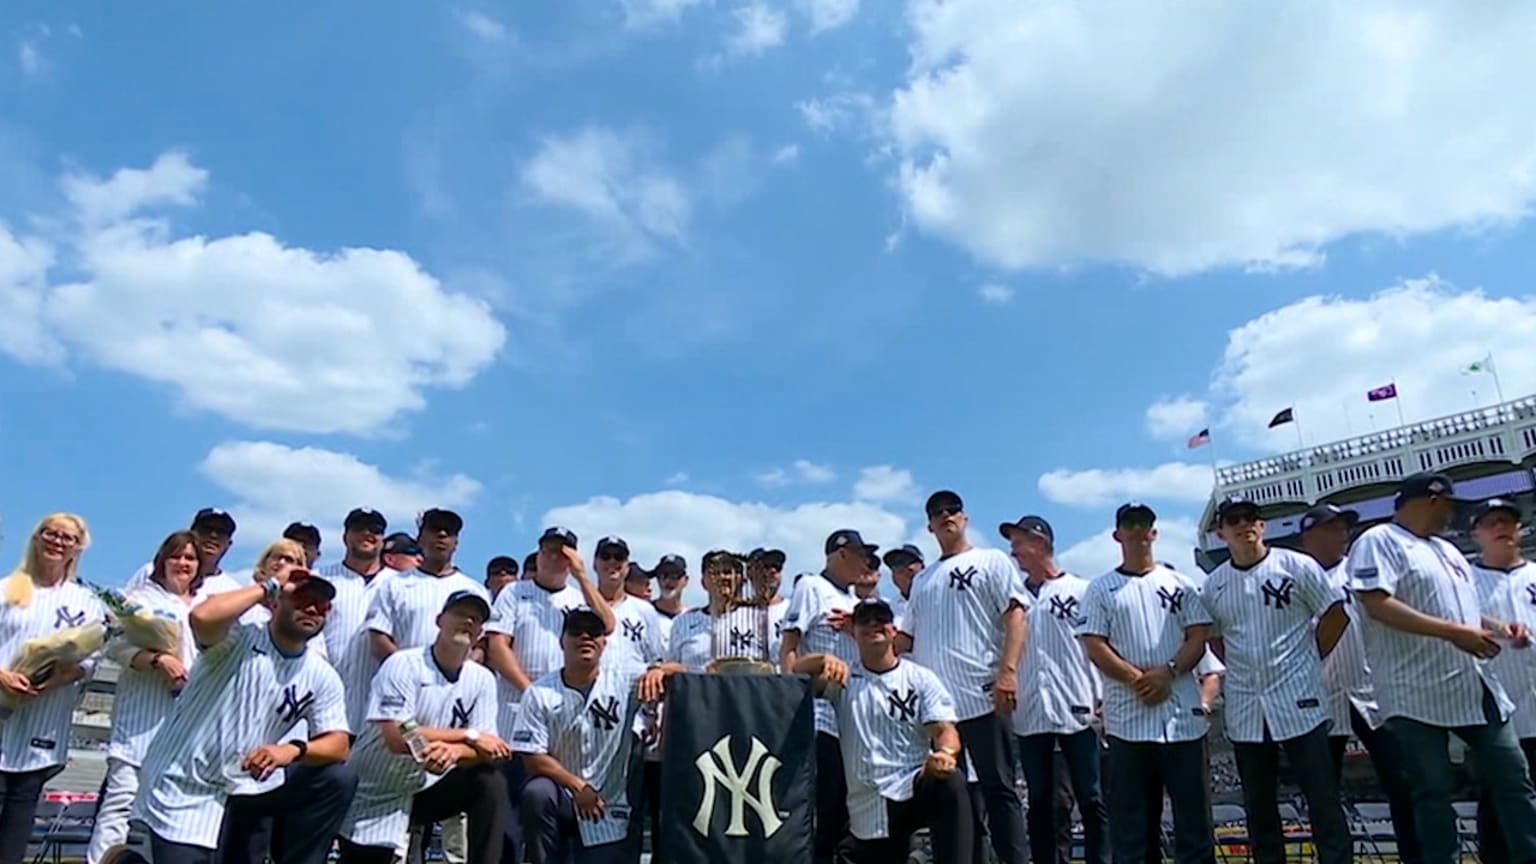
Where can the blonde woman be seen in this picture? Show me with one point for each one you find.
(40, 597)
(147, 687)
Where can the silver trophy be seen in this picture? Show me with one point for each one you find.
(740, 631)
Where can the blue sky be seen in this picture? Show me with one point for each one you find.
(735, 273)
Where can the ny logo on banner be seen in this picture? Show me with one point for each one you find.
(460, 714)
(903, 706)
(62, 617)
(293, 705)
(634, 630)
(1064, 608)
(961, 580)
(1278, 596)
(720, 774)
(1173, 600)
(1530, 591)
(741, 640)
(605, 715)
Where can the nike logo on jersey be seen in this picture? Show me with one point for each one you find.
(294, 704)
(460, 714)
(1278, 596)
(634, 630)
(62, 617)
(1064, 608)
(1173, 600)
(902, 706)
(604, 716)
(961, 580)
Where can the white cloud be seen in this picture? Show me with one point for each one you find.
(802, 471)
(848, 111)
(677, 479)
(1178, 418)
(884, 483)
(760, 27)
(1099, 487)
(482, 26)
(29, 58)
(639, 14)
(1178, 139)
(274, 484)
(829, 14)
(787, 153)
(995, 294)
(242, 326)
(1177, 538)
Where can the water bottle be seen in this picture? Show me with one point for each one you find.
(415, 739)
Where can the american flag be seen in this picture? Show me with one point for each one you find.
(1201, 439)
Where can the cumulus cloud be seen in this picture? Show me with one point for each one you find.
(994, 294)
(1176, 542)
(828, 14)
(885, 483)
(1100, 487)
(482, 26)
(1178, 138)
(802, 471)
(641, 14)
(1176, 418)
(243, 326)
(759, 27)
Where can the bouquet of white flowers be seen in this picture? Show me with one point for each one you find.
(146, 628)
(39, 657)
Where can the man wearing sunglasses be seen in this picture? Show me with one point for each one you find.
(500, 572)
(223, 765)
(356, 578)
(671, 580)
(404, 612)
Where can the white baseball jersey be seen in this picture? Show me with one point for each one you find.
(405, 606)
(143, 699)
(1144, 619)
(814, 599)
(637, 637)
(244, 694)
(1265, 615)
(215, 583)
(348, 641)
(954, 617)
(1346, 673)
(590, 735)
(1510, 596)
(1058, 686)
(410, 686)
(881, 718)
(534, 617)
(259, 616)
(693, 636)
(36, 735)
(1420, 677)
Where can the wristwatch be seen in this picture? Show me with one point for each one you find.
(302, 746)
(471, 736)
(1173, 668)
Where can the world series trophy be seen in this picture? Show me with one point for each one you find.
(740, 628)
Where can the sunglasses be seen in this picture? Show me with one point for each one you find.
(315, 605)
(1239, 518)
(945, 511)
(503, 571)
(585, 633)
(613, 556)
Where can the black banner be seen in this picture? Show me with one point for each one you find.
(738, 770)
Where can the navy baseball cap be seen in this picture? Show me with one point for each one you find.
(309, 582)
(469, 598)
(302, 532)
(721, 556)
(1322, 514)
(903, 556)
(401, 544)
(438, 519)
(610, 542)
(1130, 510)
(873, 611)
(213, 517)
(671, 564)
(366, 519)
(502, 564)
(531, 562)
(848, 537)
(637, 573)
(583, 622)
(1425, 484)
(1496, 505)
(943, 499)
(565, 536)
(774, 558)
(1235, 504)
(1029, 525)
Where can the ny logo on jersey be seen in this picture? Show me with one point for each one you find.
(1530, 591)
(1278, 596)
(719, 772)
(903, 706)
(778, 629)
(294, 705)
(605, 716)
(62, 617)
(1173, 600)
(741, 640)
(1064, 608)
(961, 580)
(460, 714)
(634, 630)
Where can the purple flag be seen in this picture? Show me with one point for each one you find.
(1381, 394)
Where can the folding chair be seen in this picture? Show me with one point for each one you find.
(1466, 827)
(1230, 824)
(1298, 832)
(1373, 824)
(72, 827)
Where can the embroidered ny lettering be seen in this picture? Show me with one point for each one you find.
(634, 630)
(1064, 608)
(902, 706)
(63, 618)
(1173, 600)
(605, 715)
(1278, 596)
(461, 714)
(294, 705)
(961, 580)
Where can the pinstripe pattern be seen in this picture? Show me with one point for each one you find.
(814, 598)
(1345, 670)
(1144, 618)
(233, 703)
(533, 616)
(1264, 614)
(36, 735)
(1419, 677)
(589, 735)
(637, 637)
(1058, 686)
(347, 642)
(410, 685)
(880, 719)
(405, 606)
(1511, 596)
(953, 617)
(691, 642)
(143, 700)
(777, 613)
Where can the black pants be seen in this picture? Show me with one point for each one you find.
(19, 794)
(988, 742)
(1258, 766)
(163, 851)
(650, 794)
(1139, 772)
(1491, 846)
(511, 820)
(831, 797)
(1387, 758)
(1048, 760)
(477, 791)
(942, 805)
(304, 814)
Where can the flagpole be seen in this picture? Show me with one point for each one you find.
(1349, 428)
(1397, 400)
(1494, 371)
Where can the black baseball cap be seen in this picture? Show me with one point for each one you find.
(1424, 485)
(583, 622)
(1132, 509)
(872, 562)
(366, 519)
(502, 564)
(670, 564)
(565, 536)
(637, 573)
(1322, 514)
(873, 611)
(848, 537)
(401, 543)
(302, 532)
(213, 517)
(774, 558)
(1029, 525)
(464, 597)
(531, 562)
(1492, 505)
(438, 519)
(611, 543)
(943, 500)
(724, 556)
(1235, 504)
(903, 556)
(310, 582)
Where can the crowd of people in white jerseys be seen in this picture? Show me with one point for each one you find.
(354, 709)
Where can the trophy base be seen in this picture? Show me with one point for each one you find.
(742, 666)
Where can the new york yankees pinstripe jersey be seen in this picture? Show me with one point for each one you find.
(348, 644)
(216, 583)
(1511, 596)
(410, 686)
(405, 606)
(36, 735)
(533, 616)
(1058, 686)
(143, 699)
(880, 719)
(1346, 673)
(777, 612)
(954, 617)
(1264, 614)
(815, 598)
(590, 735)
(1144, 619)
(260, 616)
(692, 636)
(1420, 677)
(243, 694)
(637, 637)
